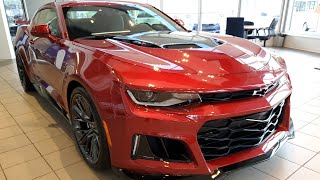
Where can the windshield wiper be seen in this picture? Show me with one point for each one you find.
(110, 32)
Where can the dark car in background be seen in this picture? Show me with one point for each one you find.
(214, 28)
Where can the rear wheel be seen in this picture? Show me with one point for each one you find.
(88, 130)
(23, 76)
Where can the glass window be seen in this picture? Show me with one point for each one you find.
(185, 10)
(45, 16)
(214, 14)
(88, 21)
(54, 27)
(14, 11)
(80, 14)
(304, 17)
(261, 12)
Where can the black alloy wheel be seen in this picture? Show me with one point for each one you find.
(23, 76)
(88, 130)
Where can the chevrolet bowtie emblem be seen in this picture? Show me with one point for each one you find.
(260, 92)
(263, 91)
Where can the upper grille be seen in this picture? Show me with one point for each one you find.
(227, 96)
(219, 138)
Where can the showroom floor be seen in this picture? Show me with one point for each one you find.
(36, 142)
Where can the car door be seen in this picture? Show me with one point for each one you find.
(50, 54)
(37, 46)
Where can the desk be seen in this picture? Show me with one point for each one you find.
(249, 28)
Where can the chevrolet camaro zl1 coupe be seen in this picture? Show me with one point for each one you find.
(146, 96)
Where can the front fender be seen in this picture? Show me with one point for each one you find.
(96, 78)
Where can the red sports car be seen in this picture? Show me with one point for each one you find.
(147, 96)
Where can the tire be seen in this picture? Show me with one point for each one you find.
(88, 130)
(23, 76)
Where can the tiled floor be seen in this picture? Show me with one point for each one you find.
(37, 143)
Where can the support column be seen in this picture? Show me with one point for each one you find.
(199, 15)
(6, 47)
(239, 8)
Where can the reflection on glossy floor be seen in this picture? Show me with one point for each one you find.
(37, 143)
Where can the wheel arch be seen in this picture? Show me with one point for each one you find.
(21, 52)
(71, 86)
(74, 82)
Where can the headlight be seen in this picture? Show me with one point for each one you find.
(148, 98)
(279, 60)
(284, 80)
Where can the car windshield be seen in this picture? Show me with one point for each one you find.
(115, 20)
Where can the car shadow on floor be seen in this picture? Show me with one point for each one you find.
(57, 120)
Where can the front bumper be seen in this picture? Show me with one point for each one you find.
(183, 125)
(277, 145)
(223, 171)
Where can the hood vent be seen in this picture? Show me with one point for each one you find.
(172, 40)
(181, 46)
(143, 43)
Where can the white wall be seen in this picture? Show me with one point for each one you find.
(303, 43)
(6, 47)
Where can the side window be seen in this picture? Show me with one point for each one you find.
(36, 17)
(54, 27)
(49, 17)
(141, 17)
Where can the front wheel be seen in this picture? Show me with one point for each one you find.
(88, 130)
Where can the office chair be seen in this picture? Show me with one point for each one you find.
(268, 32)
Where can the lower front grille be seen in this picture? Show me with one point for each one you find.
(158, 148)
(223, 137)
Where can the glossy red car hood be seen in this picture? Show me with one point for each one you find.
(233, 64)
(227, 56)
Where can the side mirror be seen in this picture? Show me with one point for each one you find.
(40, 31)
(179, 21)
